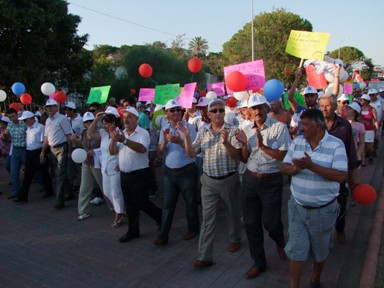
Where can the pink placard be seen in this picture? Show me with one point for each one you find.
(218, 88)
(146, 94)
(186, 96)
(254, 71)
(348, 88)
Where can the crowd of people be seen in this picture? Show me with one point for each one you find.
(208, 158)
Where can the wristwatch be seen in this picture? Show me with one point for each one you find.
(125, 141)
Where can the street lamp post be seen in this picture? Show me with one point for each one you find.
(252, 40)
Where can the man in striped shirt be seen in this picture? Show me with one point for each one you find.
(317, 163)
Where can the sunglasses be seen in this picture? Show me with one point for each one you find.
(92, 110)
(88, 121)
(221, 110)
(174, 110)
(345, 102)
(66, 108)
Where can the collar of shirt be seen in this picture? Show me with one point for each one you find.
(267, 123)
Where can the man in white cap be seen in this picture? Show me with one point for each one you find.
(220, 180)
(34, 141)
(376, 102)
(56, 137)
(132, 148)
(17, 130)
(180, 174)
(342, 102)
(74, 169)
(264, 146)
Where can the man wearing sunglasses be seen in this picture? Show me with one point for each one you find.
(179, 175)
(264, 146)
(34, 144)
(220, 180)
(342, 102)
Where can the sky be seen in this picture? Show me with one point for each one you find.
(127, 22)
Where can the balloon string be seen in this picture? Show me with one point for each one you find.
(153, 80)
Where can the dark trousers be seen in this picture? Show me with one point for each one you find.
(261, 200)
(32, 164)
(176, 182)
(136, 192)
(342, 200)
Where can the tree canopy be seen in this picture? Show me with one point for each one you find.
(39, 43)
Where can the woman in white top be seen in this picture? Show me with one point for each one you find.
(109, 163)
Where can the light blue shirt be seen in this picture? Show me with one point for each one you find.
(35, 136)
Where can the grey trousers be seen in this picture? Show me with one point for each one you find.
(90, 179)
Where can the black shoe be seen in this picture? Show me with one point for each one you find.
(69, 197)
(128, 237)
(47, 195)
(59, 206)
(12, 197)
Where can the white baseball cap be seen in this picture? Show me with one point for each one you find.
(51, 102)
(131, 110)
(310, 90)
(365, 97)
(242, 104)
(88, 116)
(171, 104)
(355, 107)
(5, 119)
(112, 110)
(256, 99)
(203, 102)
(70, 105)
(26, 115)
(343, 97)
(216, 101)
(381, 89)
(372, 91)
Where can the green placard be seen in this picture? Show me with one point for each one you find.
(98, 94)
(298, 97)
(164, 93)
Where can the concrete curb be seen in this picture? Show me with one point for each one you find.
(368, 275)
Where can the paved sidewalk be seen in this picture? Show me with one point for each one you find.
(42, 247)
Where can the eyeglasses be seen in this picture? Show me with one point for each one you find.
(88, 121)
(92, 110)
(174, 110)
(66, 108)
(221, 110)
(345, 102)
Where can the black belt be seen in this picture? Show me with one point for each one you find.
(318, 207)
(181, 168)
(59, 145)
(18, 147)
(134, 172)
(222, 177)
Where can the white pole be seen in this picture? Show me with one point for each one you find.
(252, 40)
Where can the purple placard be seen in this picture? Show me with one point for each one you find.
(218, 88)
(348, 88)
(186, 96)
(254, 71)
(146, 94)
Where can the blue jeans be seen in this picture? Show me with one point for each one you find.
(17, 159)
(183, 181)
(7, 160)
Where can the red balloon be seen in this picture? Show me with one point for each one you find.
(236, 81)
(133, 91)
(203, 93)
(195, 65)
(25, 98)
(287, 73)
(364, 194)
(145, 70)
(60, 96)
(15, 105)
(119, 109)
(231, 102)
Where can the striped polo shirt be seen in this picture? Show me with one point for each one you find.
(308, 188)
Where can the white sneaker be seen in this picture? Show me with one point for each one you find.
(83, 216)
(97, 201)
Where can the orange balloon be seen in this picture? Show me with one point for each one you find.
(60, 97)
(145, 70)
(236, 81)
(195, 65)
(364, 194)
(25, 98)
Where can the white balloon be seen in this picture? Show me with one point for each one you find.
(79, 155)
(331, 78)
(241, 96)
(48, 88)
(211, 95)
(3, 95)
(362, 85)
(329, 89)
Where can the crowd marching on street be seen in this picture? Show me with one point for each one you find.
(211, 159)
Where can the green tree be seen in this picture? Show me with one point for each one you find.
(214, 63)
(271, 32)
(38, 43)
(198, 47)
